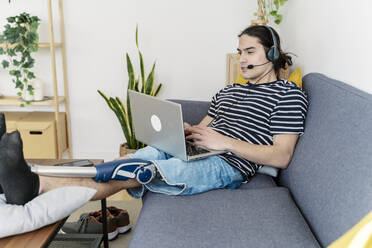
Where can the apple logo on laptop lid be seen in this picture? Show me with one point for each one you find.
(156, 123)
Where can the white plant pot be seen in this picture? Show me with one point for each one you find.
(37, 84)
(26, 96)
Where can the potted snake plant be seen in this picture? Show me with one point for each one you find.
(123, 113)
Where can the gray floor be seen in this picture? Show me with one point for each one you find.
(132, 206)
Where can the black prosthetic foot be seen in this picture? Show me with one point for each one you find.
(19, 184)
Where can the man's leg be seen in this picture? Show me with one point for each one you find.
(19, 184)
(103, 189)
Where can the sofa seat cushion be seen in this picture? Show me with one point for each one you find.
(222, 218)
(259, 181)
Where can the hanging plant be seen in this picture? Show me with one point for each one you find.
(272, 8)
(18, 41)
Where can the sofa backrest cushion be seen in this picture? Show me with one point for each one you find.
(330, 175)
(193, 111)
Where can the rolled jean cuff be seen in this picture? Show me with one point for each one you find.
(158, 186)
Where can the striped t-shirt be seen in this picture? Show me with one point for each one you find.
(255, 113)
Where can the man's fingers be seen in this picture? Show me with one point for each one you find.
(195, 129)
(196, 143)
(189, 137)
(193, 136)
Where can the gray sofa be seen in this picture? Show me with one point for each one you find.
(326, 189)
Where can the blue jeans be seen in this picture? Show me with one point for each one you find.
(179, 177)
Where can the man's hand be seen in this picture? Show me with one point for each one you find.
(207, 137)
(186, 127)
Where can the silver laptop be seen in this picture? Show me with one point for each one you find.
(159, 123)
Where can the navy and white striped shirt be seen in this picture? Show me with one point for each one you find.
(255, 113)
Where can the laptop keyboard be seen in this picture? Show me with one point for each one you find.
(194, 150)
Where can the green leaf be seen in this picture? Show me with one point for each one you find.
(158, 90)
(18, 48)
(150, 81)
(12, 72)
(129, 123)
(5, 64)
(136, 85)
(122, 119)
(11, 19)
(282, 2)
(273, 13)
(19, 84)
(19, 94)
(106, 99)
(130, 70)
(142, 69)
(117, 107)
(11, 52)
(276, 3)
(15, 62)
(137, 35)
(2, 51)
(130, 120)
(278, 19)
(30, 75)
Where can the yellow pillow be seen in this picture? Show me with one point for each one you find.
(241, 80)
(358, 236)
(296, 77)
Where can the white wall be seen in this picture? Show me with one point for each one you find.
(189, 40)
(331, 37)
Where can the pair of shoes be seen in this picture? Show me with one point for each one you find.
(122, 219)
(91, 223)
(88, 223)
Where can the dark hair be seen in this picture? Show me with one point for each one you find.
(264, 36)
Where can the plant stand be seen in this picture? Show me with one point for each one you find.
(124, 150)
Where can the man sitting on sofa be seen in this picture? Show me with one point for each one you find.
(257, 124)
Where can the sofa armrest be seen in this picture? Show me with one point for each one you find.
(193, 111)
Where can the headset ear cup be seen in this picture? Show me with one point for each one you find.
(276, 53)
(270, 54)
(273, 54)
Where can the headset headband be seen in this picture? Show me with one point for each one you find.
(273, 53)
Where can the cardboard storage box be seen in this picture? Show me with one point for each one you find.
(12, 118)
(39, 134)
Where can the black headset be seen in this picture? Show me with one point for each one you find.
(273, 53)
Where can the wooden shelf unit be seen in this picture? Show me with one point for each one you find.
(55, 100)
(16, 101)
(41, 45)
